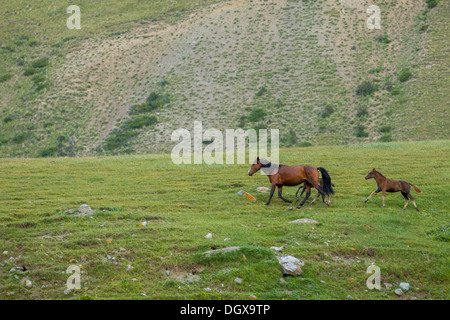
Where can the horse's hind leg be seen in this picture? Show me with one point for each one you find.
(406, 198)
(414, 203)
(280, 189)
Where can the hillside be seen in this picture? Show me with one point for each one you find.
(136, 72)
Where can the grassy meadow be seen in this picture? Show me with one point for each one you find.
(120, 258)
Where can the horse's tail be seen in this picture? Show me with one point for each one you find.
(327, 185)
(415, 188)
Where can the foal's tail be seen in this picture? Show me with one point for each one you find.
(415, 188)
(327, 185)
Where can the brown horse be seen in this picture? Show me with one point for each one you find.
(281, 175)
(387, 185)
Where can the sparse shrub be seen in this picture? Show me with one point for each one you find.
(360, 131)
(48, 152)
(38, 78)
(7, 119)
(30, 71)
(5, 77)
(140, 122)
(385, 138)
(366, 88)
(40, 63)
(432, 3)
(385, 129)
(20, 137)
(154, 101)
(261, 91)
(304, 144)
(118, 137)
(327, 111)
(362, 111)
(383, 38)
(404, 75)
(256, 114)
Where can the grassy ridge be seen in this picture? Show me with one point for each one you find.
(181, 204)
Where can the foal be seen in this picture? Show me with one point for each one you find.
(384, 184)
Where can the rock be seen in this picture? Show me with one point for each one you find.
(223, 250)
(278, 249)
(240, 192)
(404, 286)
(5, 252)
(85, 210)
(238, 280)
(262, 189)
(208, 236)
(28, 283)
(387, 285)
(12, 270)
(398, 292)
(304, 220)
(291, 265)
(252, 297)
(168, 272)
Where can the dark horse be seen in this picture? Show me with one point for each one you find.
(303, 186)
(384, 184)
(281, 175)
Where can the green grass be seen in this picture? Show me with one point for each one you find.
(181, 204)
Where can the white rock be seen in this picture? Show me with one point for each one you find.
(398, 292)
(208, 236)
(238, 280)
(278, 249)
(28, 284)
(85, 210)
(404, 286)
(291, 265)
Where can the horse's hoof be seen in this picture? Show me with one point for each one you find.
(266, 204)
(299, 207)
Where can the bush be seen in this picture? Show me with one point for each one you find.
(256, 114)
(20, 137)
(383, 38)
(118, 137)
(40, 63)
(362, 111)
(140, 122)
(432, 3)
(30, 71)
(261, 91)
(404, 75)
(38, 78)
(154, 101)
(385, 138)
(360, 131)
(366, 88)
(48, 152)
(5, 77)
(327, 111)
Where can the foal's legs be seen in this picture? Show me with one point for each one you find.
(405, 195)
(280, 188)
(370, 196)
(384, 196)
(308, 193)
(414, 203)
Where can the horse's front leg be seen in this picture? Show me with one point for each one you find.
(271, 195)
(370, 196)
(280, 189)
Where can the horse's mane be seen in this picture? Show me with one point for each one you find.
(379, 173)
(266, 164)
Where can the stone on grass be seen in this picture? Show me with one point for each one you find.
(223, 250)
(304, 220)
(404, 286)
(291, 265)
(398, 292)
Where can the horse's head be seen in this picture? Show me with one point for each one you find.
(255, 167)
(371, 174)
